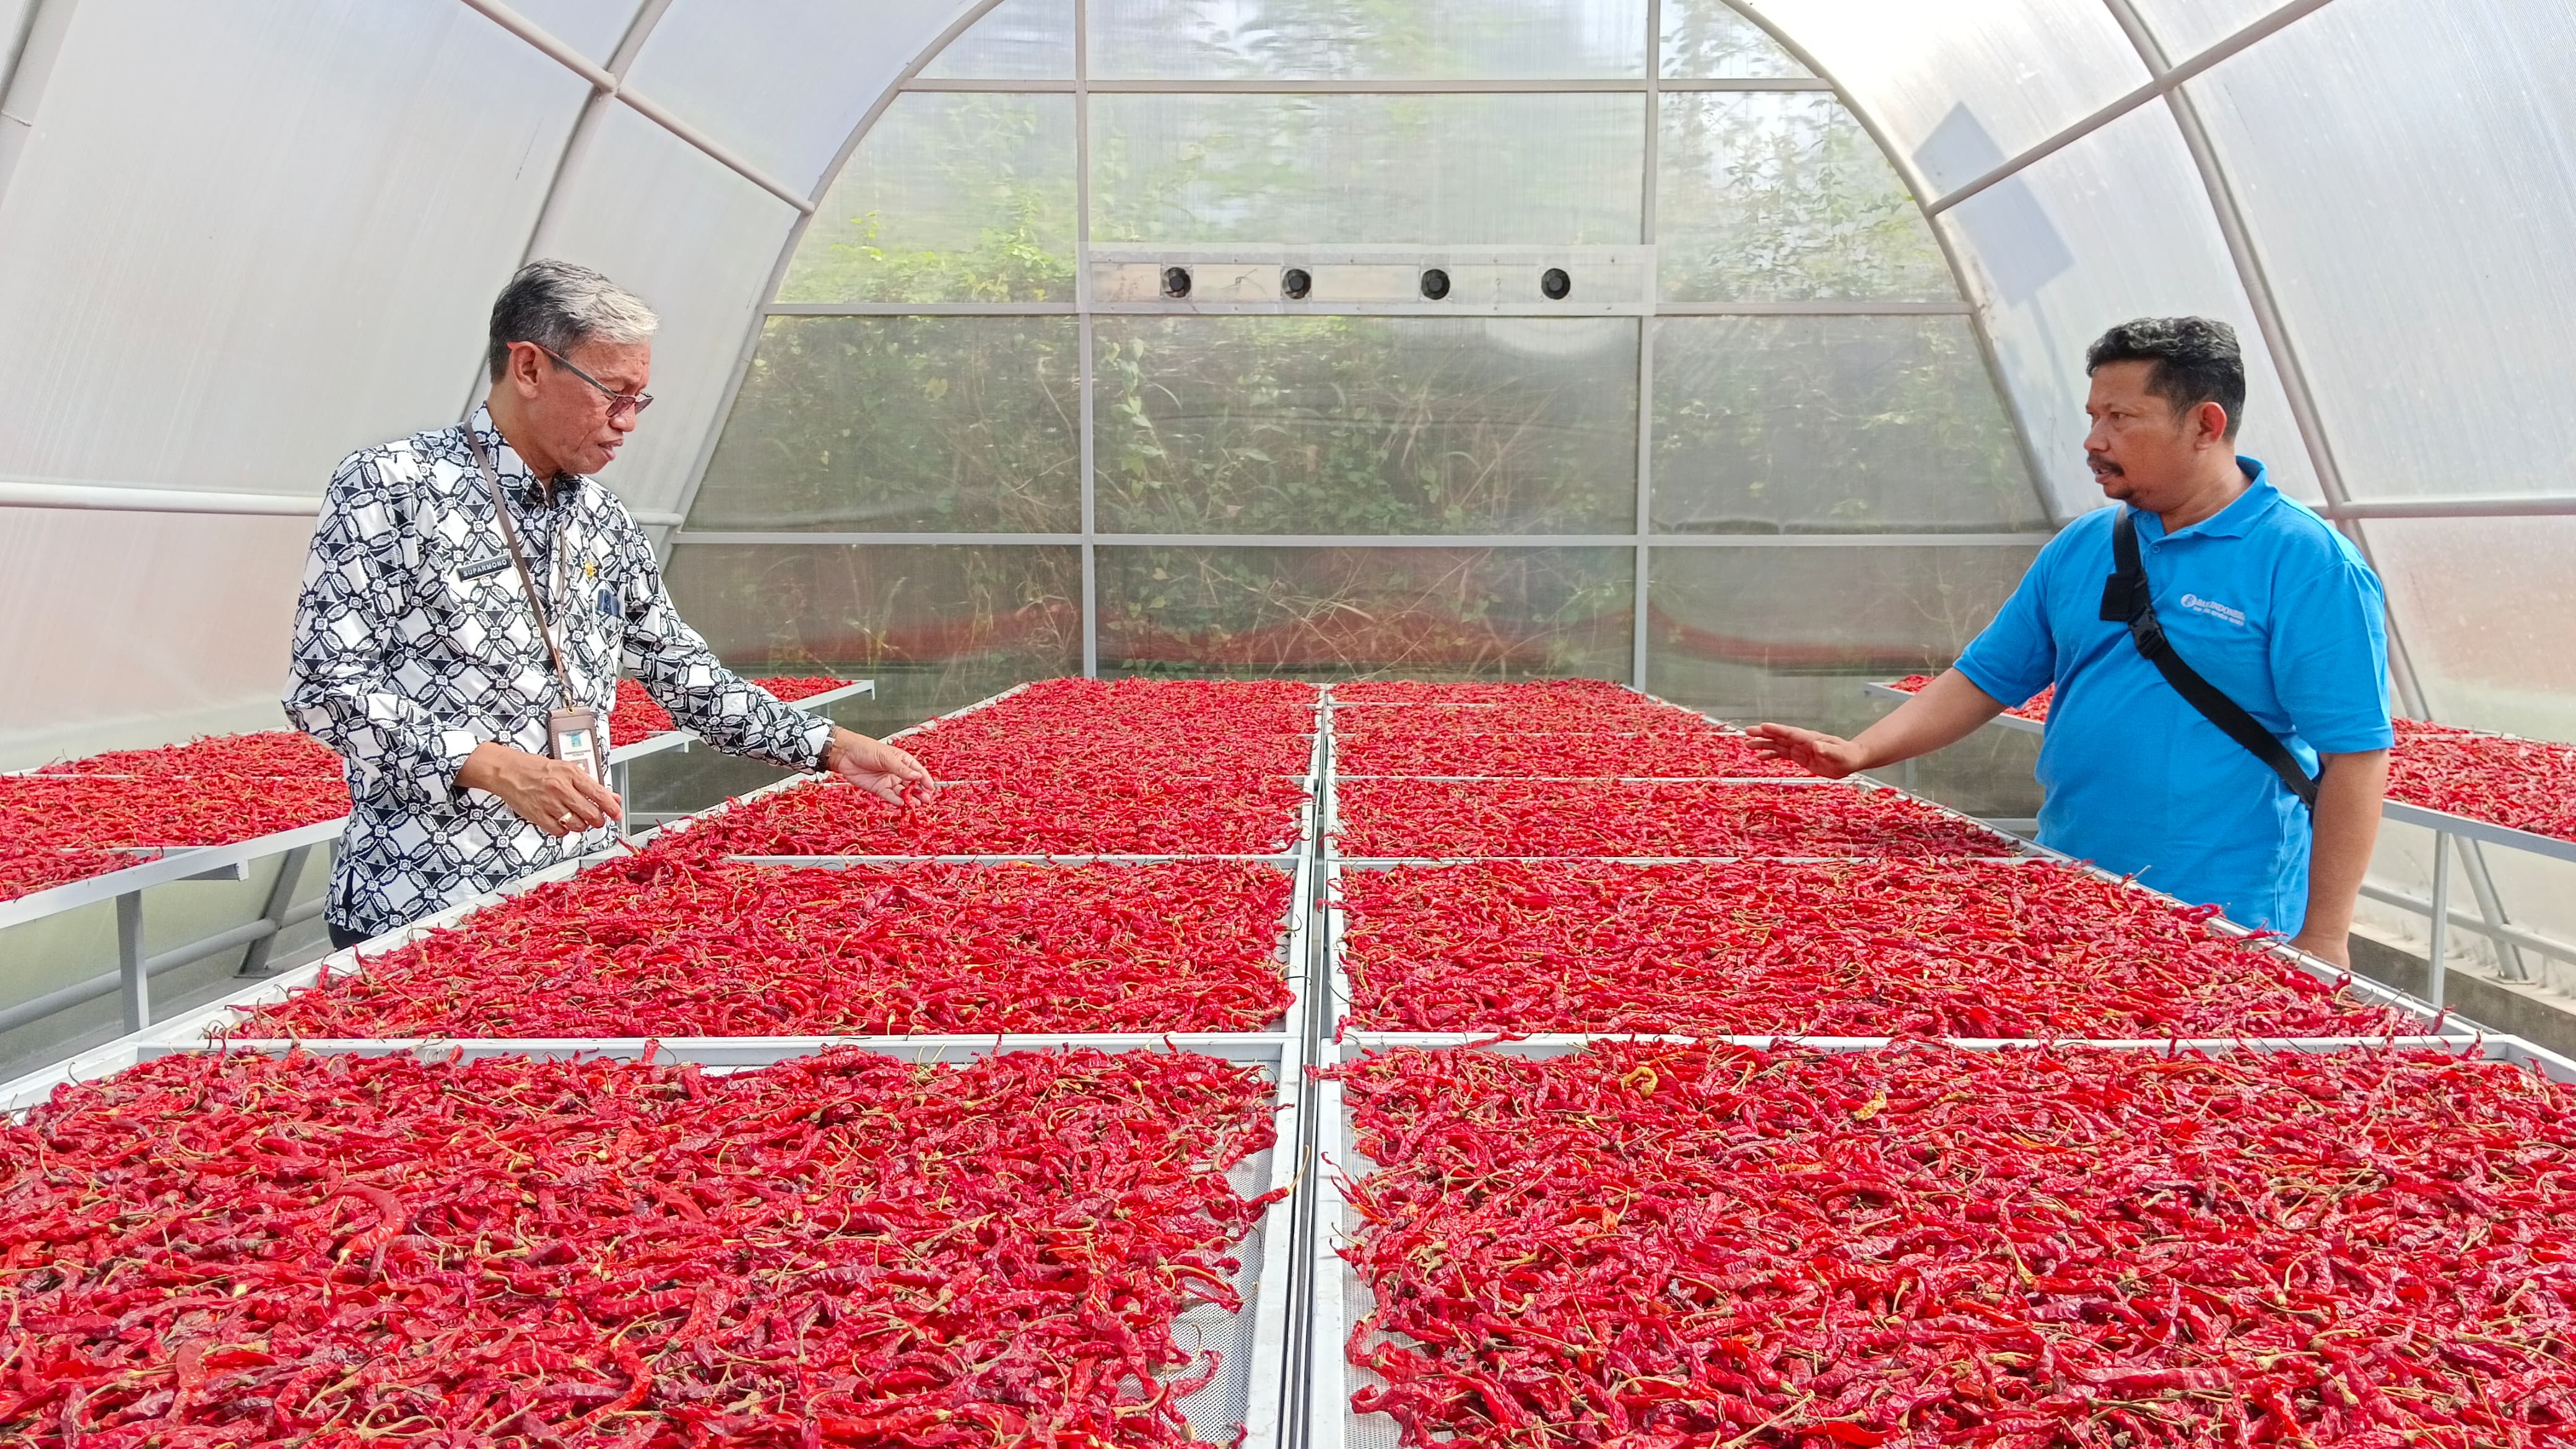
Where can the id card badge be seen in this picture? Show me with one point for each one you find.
(574, 736)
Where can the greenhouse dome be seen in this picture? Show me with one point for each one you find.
(1733, 353)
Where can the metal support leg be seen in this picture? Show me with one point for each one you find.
(1905, 778)
(617, 777)
(2473, 863)
(290, 873)
(2441, 918)
(131, 976)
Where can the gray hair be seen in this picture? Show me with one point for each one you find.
(561, 305)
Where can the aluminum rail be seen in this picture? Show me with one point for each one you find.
(150, 498)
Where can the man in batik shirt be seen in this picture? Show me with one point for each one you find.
(420, 656)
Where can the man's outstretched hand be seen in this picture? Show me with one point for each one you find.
(1814, 751)
(876, 767)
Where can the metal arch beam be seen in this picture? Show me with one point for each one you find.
(2257, 282)
(611, 85)
(1917, 186)
(576, 142)
(697, 475)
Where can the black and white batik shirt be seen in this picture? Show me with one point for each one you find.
(414, 643)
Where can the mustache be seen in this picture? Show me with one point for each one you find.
(2104, 467)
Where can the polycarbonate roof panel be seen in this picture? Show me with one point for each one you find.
(1960, 85)
(1352, 39)
(242, 242)
(593, 27)
(697, 242)
(2408, 173)
(2185, 28)
(1015, 40)
(2117, 225)
(1709, 40)
(782, 84)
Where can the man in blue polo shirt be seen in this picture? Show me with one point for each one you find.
(2256, 594)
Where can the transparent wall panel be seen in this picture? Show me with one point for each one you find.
(1448, 169)
(2406, 171)
(1015, 40)
(2488, 606)
(241, 240)
(1709, 40)
(696, 241)
(859, 609)
(2116, 226)
(1832, 424)
(135, 629)
(1356, 39)
(2185, 28)
(1353, 425)
(1830, 607)
(878, 423)
(950, 197)
(1792, 633)
(1958, 87)
(1780, 196)
(1330, 613)
(784, 82)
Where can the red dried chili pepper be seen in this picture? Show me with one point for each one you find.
(2036, 708)
(240, 1249)
(1898, 948)
(658, 946)
(1651, 1244)
(1386, 818)
(2523, 784)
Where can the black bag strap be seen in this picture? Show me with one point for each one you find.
(2127, 599)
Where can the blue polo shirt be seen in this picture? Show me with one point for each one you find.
(2269, 604)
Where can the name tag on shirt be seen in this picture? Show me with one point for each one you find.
(482, 568)
(607, 602)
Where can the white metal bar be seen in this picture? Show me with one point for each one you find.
(131, 972)
(2164, 81)
(1375, 86)
(1648, 217)
(2482, 505)
(281, 899)
(1087, 439)
(2439, 948)
(613, 86)
(142, 498)
(2494, 930)
(2470, 828)
(863, 539)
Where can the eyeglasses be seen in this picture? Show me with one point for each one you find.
(618, 402)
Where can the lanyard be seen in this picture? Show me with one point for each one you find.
(527, 585)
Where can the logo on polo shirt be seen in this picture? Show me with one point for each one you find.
(2214, 609)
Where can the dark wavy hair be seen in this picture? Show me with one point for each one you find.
(2196, 360)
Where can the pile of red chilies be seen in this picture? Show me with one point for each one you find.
(1074, 756)
(58, 828)
(638, 716)
(1673, 1246)
(1389, 818)
(78, 818)
(264, 753)
(2036, 708)
(1530, 716)
(2524, 784)
(1679, 754)
(1408, 691)
(845, 1249)
(1132, 816)
(1757, 948)
(658, 946)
